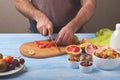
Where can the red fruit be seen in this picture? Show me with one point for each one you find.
(8, 58)
(73, 50)
(11, 66)
(21, 61)
(44, 44)
(90, 49)
(37, 43)
(50, 44)
(101, 55)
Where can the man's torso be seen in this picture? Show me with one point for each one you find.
(60, 12)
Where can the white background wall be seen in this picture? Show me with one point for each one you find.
(107, 15)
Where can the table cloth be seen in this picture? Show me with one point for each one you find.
(53, 68)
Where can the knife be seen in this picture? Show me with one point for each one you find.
(55, 44)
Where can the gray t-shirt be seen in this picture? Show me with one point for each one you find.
(60, 12)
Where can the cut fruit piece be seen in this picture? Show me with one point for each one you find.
(44, 44)
(90, 49)
(73, 50)
(84, 45)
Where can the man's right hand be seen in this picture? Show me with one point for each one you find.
(45, 26)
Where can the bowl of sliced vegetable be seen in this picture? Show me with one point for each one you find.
(106, 58)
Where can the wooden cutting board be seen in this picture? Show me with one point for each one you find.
(29, 49)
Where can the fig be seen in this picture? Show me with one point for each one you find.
(3, 66)
(90, 49)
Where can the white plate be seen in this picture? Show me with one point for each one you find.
(16, 70)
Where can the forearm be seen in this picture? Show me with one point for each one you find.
(27, 9)
(84, 14)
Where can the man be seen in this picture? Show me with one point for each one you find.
(64, 17)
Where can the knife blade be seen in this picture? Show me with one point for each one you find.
(55, 44)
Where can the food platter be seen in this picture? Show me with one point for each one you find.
(29, 49)
(16, 70)
(10, 65)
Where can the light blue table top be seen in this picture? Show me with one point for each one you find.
(53, 68)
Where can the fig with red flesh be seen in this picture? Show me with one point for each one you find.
(90, 49)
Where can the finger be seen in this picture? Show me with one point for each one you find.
(44, 31)
(50, 31)
(70, 40)
(59, 38)
(65, 40)
(40, 30)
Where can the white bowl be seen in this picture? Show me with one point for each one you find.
(73, 64)
(86, 69)
(106, 64)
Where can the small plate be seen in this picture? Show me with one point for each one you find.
(16, 70)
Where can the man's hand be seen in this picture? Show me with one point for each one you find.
(65, 36)
(45, 26)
